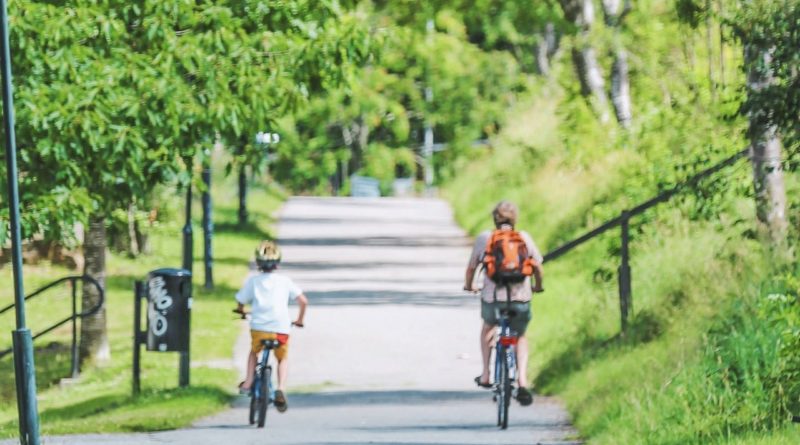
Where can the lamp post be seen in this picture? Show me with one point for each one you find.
(23, 343)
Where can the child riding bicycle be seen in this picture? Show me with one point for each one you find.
(268, 293)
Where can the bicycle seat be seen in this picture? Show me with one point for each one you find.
(270, 344)
(510, 313)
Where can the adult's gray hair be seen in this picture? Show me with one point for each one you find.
(505, 212)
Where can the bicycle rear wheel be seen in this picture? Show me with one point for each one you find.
(264, 395)
(507, 392)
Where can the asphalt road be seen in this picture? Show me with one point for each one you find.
(390, 346)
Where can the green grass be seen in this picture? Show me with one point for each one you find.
(700, 364)
(101, 400)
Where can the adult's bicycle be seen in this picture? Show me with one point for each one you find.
(505, 364)
(505, 359)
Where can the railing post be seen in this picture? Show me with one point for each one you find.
(624, 273)
(75, 364)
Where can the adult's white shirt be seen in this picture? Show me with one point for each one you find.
(269, 294)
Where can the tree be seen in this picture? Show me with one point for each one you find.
(769, 38)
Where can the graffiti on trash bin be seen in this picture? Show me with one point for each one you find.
(160, 302)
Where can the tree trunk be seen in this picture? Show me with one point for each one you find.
(542, 59)
(721, 12)
(591, 79)
(712, 87)
(765, 146)
(581, 14)
(621, 89)
(546, 47)
(94, 339)
(208, 227)
(551, 39)
(242, 195)
(615, 12)
(356, 138)
(133, 241)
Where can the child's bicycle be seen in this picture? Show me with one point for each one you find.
(262, 391)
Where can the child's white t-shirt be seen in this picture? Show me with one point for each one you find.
(268, 295)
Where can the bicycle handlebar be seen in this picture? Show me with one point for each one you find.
(243, 315)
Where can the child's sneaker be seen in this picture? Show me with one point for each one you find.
(280, 401)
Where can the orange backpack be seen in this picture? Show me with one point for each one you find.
(507, 259)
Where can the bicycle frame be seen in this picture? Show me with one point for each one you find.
(505, 360)
(505, 349)
(261, 365)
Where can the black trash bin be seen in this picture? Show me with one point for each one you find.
(169, 305)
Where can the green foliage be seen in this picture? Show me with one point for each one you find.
(384, 106)
(116, 98)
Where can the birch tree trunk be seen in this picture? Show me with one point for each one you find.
(581, 14)
(765, 149)
(356, 138)
(615, 12)
(133, 241)
(94, 338)
(546, 47)
(542, 61)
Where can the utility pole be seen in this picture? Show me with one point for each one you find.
(427, 147)
(24, 369)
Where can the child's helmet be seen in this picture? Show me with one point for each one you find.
(268, 254)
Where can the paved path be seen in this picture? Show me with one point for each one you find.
(390, 345)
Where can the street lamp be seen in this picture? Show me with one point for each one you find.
(23, 343)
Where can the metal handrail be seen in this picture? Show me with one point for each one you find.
(624, 275)
(73, 318)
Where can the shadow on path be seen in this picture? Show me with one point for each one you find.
(381, 296)
(379, 241)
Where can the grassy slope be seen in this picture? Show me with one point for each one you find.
(101, 401)
(658, 385)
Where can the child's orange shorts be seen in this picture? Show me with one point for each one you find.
(283, 339)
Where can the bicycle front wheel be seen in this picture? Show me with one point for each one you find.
(503, 390)
(253, 409)
(266, 377)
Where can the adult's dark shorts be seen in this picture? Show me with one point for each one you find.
(519, 323)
